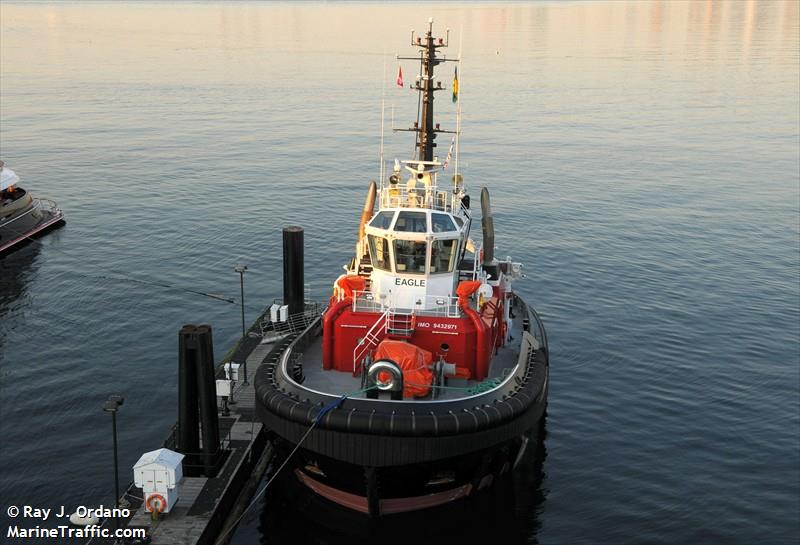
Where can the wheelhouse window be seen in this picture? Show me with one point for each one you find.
(410, 256)
(382, 220)
(379, 252)
(443, 255)
(411, 222)
(442, 223)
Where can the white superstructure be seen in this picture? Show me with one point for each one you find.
(417, 238)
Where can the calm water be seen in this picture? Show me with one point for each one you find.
(644, 161)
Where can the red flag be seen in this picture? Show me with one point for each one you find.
(399, 76)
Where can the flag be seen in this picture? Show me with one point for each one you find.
(455, 85)
(399, 76)
(449, 153)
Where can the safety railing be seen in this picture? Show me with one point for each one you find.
(400, 322)
(538, 332)
(49, 205)
(294, 323)
(34, 207)
(440, 305)
(366, 301)
(373, 336)
(435, 305)
(195, 460)
(418, 197)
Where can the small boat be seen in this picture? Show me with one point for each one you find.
(22, 216)
(426, 377)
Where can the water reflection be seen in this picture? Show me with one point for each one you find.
(17, 268)
(508, 513)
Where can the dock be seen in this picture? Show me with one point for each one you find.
(208, 509)
(215, 480)
(204, 502)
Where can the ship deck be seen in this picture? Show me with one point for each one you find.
(340, 383)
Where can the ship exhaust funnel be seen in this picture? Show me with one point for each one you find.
(293, 269)
(487, 225)
(369, 206)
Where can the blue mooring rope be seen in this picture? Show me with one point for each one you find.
(328, 408)
(325, 410)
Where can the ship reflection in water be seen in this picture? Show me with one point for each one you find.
(16, 270)
(506, 513)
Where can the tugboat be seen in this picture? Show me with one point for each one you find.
(22, 216)
(426, 376)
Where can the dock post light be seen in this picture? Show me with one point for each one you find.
(111, 406)
(241, 269)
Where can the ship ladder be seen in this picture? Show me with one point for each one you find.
(375, 334)
(400, 325)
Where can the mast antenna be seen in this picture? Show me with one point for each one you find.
(458, 106)
(426, 86)
(383, 117)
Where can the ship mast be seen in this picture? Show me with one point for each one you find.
(424, 127)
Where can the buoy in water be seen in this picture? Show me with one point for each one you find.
(78, 520)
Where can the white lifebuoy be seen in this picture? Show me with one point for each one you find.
(78, 520)
(155, 503)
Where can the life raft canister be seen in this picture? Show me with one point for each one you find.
(345, 285)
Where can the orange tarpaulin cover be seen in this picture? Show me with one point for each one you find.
(413, 360)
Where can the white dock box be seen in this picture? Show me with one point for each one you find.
(224, 387)
(232, 371)
(273, 312)
(158, 474)
(284, 312)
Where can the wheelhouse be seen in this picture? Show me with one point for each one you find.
(415, 242)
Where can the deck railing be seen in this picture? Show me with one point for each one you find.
(435, 305)
(194, 460)
(419, 197)
(294, 323)
(366, 301)
(369, 341)
(440, 305)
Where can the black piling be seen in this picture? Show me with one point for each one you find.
(197, 402)
(293, 269)
(188, 440)
(207, 398)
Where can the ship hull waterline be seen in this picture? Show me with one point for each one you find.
(16, 235)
